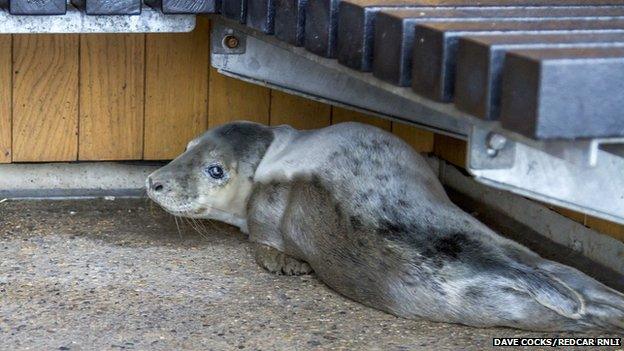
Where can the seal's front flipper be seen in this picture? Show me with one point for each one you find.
(278, 262)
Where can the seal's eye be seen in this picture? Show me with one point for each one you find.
(214, 171)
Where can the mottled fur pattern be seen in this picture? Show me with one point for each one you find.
(368, 215)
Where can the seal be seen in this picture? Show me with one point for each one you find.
(361, 209)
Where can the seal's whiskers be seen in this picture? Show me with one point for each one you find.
(175, 218)
(192, 223)
(197, 228)
(213, 226)
(202, 225)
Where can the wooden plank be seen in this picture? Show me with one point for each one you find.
(5, 98)
(450, 149)
(176, 98)
(340, 115)
(45, 98)
(421, 140)
(609, 228)
(111, 96)
(298, 112)
(232, 99)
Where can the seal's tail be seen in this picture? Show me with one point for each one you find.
(600, 307)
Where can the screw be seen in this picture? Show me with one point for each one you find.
(231, 42)
(495, 143)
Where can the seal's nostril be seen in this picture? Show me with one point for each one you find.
(157, 187)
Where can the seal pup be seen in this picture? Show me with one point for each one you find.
(361, 209)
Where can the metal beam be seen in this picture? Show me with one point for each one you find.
(260, 59)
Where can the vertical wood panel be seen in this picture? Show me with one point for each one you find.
(298, 112)
(176, 101)
(232, 99)
(5, 98)
(340, 115)
(450, 149)
(421, 140)
(45, 97)
(111, 96)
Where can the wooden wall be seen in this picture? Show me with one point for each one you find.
(96, 97)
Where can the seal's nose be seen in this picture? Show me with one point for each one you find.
(154, 185)
(157, 187)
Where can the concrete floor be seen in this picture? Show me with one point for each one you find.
(100, 275)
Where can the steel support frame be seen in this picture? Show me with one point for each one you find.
(596, 190)
(585, 175)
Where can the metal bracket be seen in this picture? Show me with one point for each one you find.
(227, 41)
(583, 152)
(598, 190)
(490, 150)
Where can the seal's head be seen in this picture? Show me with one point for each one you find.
(213, 178)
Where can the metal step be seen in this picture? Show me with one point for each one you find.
(29, 7)
(356, 20)
(322, 15)
(235, 10)
(109, 7)
(290, 21)
(261, 15)
(564, 93)
(75, 20)
(186, 6)
(434, 52)
(399, 39)
(480, 61)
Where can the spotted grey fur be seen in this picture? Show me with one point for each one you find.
(365, 212)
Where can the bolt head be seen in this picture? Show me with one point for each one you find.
(491, 152)
(231, 42)
(496, 141)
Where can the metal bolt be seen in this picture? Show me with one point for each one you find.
(495, 143)
(231, 42)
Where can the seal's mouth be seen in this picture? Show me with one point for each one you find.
(169, 202)
(175, 208)
(186, 209)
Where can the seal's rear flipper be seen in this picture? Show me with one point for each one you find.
(550, 292)
(603, 306)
